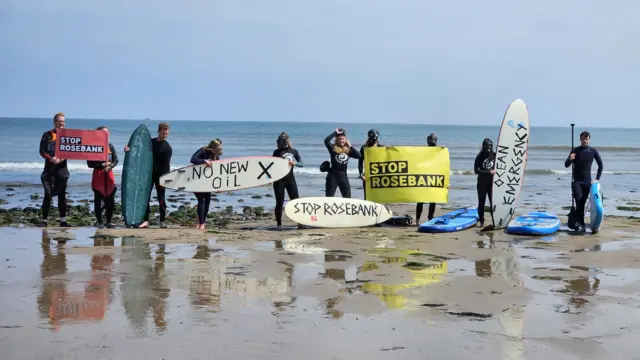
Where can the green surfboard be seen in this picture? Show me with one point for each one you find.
(136, 177)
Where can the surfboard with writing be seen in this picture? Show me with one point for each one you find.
(336, 212)
(510, 163)
(227, 174)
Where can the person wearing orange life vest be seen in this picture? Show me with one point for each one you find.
(55, 175)
(103, 184)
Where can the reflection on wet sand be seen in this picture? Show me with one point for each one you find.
(216, 273)
(483, 267)
(388, 293)
(202, 293)
(54, 262)
(579, 288)
(511, 320)
(143, 284)
(62, 305)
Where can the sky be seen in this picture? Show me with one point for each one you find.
(393, 61)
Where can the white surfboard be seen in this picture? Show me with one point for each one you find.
(227, 174)
(336, 212)
(510, 164)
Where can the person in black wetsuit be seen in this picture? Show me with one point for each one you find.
(372, 141)
(286, 151)
(483, 166)
(432, 140)
(103, 184)
(162, 152)
(582, 157)
(55, 175)
(340, 152)
(206, 155)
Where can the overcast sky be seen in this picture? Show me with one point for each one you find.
(438, 62)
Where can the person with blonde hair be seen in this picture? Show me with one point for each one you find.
(206, 155)
(340, 152)
(286, 151)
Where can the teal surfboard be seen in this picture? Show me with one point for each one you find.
(136, 177)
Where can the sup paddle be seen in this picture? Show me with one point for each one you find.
(571, 218)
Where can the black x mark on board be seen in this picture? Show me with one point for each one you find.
(265, 170)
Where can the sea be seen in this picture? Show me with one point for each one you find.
(546, 183)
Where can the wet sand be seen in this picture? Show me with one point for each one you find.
(249, 292)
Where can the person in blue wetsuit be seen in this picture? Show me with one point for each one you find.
(205, 155)
(340, 152)
(582, 157)
(483, 167)
(286, 151)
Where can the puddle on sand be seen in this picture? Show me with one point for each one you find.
(618, 245)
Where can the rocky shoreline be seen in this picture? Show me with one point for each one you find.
(83, 215)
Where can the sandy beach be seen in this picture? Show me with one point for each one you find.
(246, 291)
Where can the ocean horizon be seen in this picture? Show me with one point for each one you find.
(578, 127)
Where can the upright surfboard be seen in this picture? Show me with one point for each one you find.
(456, 220)
(227, 174)
(336, 212)
(534, 223)
(596, 207)
(510, 164)
(136, 177)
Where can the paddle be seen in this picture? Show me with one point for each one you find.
(571, 218)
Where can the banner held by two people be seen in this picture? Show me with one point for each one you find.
(407, 174)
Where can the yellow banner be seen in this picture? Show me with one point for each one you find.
(407, 174)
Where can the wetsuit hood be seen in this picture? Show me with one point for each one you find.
(487, 145)
(432, 139)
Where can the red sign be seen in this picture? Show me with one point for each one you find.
(75, 144)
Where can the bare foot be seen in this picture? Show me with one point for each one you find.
(144, 225)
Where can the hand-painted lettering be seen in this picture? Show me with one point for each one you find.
(233, 167)
(350, 210)
(197, 172)
(265, 169)
(519, 161)
(306, 208)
